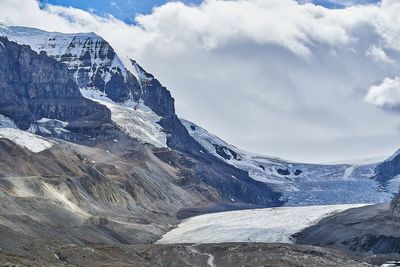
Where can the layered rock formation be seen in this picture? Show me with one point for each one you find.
(34, 86)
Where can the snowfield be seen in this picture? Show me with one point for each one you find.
(26, 140)
(135, 119)
(32, 142)
(272, 225)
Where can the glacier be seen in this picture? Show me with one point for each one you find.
(301, 184)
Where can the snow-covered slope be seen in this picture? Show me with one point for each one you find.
(300, 183)
(91, 58)
(30, 141)
(261, 225)
(135, 119)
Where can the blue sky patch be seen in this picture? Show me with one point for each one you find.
(122, 9)
(126, 9)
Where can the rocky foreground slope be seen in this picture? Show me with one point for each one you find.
(371, 231)
(221, 255)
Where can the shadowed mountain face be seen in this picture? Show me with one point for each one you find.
(370, 230)
(388, 169)
(34, 86)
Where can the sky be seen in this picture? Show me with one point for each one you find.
(302, 80)
(124, 10)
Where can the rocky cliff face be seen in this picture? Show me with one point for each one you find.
(159, 99)
(395, 205)
(90, 58)
(95, 65)
(34, 86)
(389, 168)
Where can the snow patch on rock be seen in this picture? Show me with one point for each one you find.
(47, 126)
(32, 142)
(26, 140)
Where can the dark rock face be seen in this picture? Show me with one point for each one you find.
(297, 172)
(395, 205)
(34, 86)
(365, 230)
(226, 153)
(235, 187)
(156, 96)
(283, 171)
(388, 169)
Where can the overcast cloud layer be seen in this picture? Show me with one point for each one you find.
(276, 77)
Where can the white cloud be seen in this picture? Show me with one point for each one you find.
(378, 54)
(272, 76)
(385, 95)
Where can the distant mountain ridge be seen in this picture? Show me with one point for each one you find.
(301, 183)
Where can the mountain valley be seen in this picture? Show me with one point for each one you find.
(97, 169)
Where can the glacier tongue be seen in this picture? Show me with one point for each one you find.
(271, 225)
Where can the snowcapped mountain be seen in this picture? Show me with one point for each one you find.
(300, 183)
(34, 86)
(127, 88)
(92, 60)
(76, 168)
(95, 65)
(43, 96)
(143, 109)
(71, 173)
